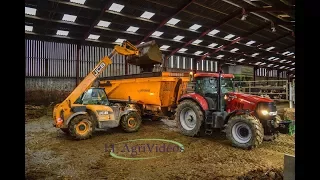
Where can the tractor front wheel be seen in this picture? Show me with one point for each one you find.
(189, 118)
(81, 127)
(131, 122)
(245, 131)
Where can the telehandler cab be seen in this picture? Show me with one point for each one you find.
(87, 108)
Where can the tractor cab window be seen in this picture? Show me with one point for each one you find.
(93, 96)
(209, 85)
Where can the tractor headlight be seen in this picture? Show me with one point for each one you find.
(102, 113)
(264, 112)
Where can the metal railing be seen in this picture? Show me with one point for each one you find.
(274, 89)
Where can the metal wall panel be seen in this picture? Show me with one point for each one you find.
(52, 59)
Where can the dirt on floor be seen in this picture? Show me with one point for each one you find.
(51, 154)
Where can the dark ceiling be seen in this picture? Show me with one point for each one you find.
(266, 25)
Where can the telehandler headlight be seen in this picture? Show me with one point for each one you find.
(102, 113)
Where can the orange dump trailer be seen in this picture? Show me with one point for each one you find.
(154, 94)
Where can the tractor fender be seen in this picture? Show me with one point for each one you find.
(236, 112)
(201, 101)
(74, 115)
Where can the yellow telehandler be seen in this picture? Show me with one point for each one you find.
(88, 107)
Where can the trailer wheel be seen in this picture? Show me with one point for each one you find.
(80, 127)
(189, 117)
(245, 131)
(131, 122)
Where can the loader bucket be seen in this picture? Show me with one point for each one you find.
(150, 54)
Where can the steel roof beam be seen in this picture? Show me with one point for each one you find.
(228, 18)
(165, 21)
(94, 23)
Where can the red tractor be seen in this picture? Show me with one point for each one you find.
(211, 103)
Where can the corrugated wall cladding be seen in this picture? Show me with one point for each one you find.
(50, 84)
(52, 59)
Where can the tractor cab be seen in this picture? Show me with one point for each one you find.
(207, 85)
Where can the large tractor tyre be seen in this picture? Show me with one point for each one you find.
(189, 118)
(245, 131)
(81, 127)
(131, 122)
(65, 130)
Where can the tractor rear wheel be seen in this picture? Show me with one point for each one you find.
(189, 118)
(81, 127)
(245, 131)
(131, 122)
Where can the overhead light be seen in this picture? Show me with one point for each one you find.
(276, 65)
(276, 59)
(178, 38)
(283, 15)
(292, 69)
(250, 42)
(288, 62)
(212, 45)
(282, 67)
(116, 7)
(132, 29)
(62, 33)
(244, 17)
(285, 53)
(255, 54)
(182, 50)
(30, 11)
(273, 29)
(213, 32)
(173, 21)
(163, 47)
(198, 52)
(229, 36)
(240, 60)
(293, 63)
(78, 1)
(269, 48)
(157, 33)
(197, 41)
(92, 36)
(290, 54)
(194, 27)
(270, 65)
(220, 56)
(120, 40)
(104, 23)
(287, 67)
(257, 63)
(283, 60)
(234, 50)
(270, 58)
(262, 64)
(28, 28)
(68, 17)
(147, 15)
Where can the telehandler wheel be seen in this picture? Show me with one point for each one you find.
(131, 122)
(65, 130)
(189, 118)
(81, 127)
(244, 131)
